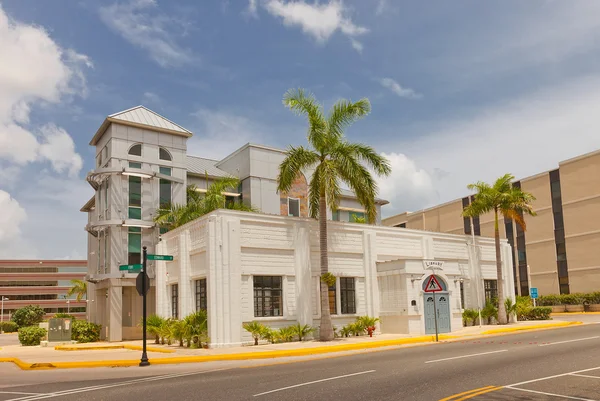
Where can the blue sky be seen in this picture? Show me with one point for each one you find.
(460, 90)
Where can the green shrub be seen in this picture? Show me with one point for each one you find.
(538, 313)
(9, 327)
(524, 305)
(256, 329)
(28, 316)
(469, 316)
(85, 332)
(65, 316)
(31, 335)
(302, 331)
(286, 334)
(489, 311)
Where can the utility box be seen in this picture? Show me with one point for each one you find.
(59, 330)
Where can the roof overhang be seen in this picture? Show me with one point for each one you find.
(89, 205)
(111, 120)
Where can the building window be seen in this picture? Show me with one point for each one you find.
(136, 150)
(401, 225)
(476, 226)
(106, 197)
(559, 232)
(332, 300)
(134, 246)
(165, 188)
(293, 207)
(175, 301)
(466, 220)
(462, 295)
(201, 294)
(268, 300)
(348, 295)
(491, 290)
(135, 198)
(335, 215)
(356, 217)
(163, 154)
(135, 165)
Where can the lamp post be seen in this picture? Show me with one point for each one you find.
(2, 315)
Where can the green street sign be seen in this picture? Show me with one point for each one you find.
(160, 257)
(130, 268)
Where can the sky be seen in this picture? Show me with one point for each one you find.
(461, 91)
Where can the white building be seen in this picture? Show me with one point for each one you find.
(244, 266)
(141, 163)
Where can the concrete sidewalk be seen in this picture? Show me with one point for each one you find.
(128, 353)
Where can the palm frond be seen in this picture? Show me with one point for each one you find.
(314, 193)
(297, 159)
(344, 113)
(304, 103)
(370, 157)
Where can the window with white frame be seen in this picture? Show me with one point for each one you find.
(163, 154)
(175, 301)
(268, 296)
(201, 298)
(348, 295)
(294, 207)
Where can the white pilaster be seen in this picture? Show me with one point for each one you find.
(186, 302)
(160, 279)
(115, 319)
(302, 270)
(370, 269)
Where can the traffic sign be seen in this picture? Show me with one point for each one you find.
(433, 285)
(130, 267)
(160, 257)
(142, 286)
(533, 292)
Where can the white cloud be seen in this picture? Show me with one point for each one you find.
(11, 218)
(381, 7)
(317, 20)
(524, 137)
(252, 9)
(221, 132)
(395, 87)
(58, 147)
(150, 98)
(140, 23)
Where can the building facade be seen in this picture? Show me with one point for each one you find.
(142, 163)
(41, 282)
(243, 267)
(558, 252)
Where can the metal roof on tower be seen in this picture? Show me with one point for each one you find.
(141, 117)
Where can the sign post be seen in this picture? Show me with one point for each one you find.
(533, 291)
(434, 286)
(145, 286)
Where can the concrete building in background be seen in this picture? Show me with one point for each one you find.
(559, 251)
(41, 282)
(142, 163)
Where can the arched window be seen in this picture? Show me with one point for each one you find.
(163, 154)
(136, 150)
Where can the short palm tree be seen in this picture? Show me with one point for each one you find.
(256, 329)
(79, 287)
(513, 203)
(175, 215)
(335, 161)
(196, 327)
(153, 325)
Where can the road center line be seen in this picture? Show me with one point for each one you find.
(20, 392)
(569, 341)
(466, 356)
(313, 382)
(550, 394)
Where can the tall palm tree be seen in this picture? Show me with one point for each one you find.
(513, 203)
(78, 287)
(174, 215)
(335, 161)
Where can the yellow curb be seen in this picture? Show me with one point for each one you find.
(112, 346)
(530, 327)
(574, 313)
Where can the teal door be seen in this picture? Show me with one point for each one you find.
(441, 309)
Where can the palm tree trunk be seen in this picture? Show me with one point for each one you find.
(326, 329)
(501, 307)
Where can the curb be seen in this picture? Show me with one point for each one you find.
(115, 346)
(574, 313)
(424, 340)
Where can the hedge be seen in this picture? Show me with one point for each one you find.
(9, 327)
(31, 335)
(85, 332)
(569, 299)
(537, 313)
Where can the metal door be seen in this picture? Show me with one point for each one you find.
(442, 309)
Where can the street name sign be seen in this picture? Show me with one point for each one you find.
(130, 268)
(160, 257)
(433, 285)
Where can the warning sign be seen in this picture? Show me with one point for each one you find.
(433, 285)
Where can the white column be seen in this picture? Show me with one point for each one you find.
(507, 269)
(115, 311)
(302, 270)
(370, 269)
(160, 281)
(186, 303)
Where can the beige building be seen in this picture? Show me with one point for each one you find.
(560, 250)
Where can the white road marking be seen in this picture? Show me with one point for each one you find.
(553, 377)
(551, 394)
(313, 382)
(591, 377)
(466, 356)
(569, 341)
(20, 392)
(119, 384)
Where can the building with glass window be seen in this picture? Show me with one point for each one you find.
(558, 251)
(142, 163)
(243, 267)
(41, 282)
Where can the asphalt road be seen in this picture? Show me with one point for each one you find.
(476, 369)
